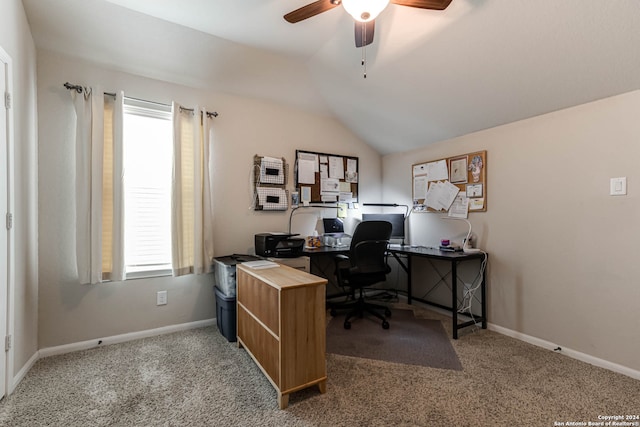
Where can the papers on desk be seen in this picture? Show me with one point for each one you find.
(260, 264)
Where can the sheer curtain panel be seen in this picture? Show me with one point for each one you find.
(98, 144)
(192, 209)
(113, 190)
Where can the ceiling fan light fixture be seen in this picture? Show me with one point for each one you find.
(364, 10)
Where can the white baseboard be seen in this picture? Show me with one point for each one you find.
(23, 372)
(624, 370)
(115, 339)
(592, 360)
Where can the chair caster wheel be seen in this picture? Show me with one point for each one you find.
(347, 325)
(333, 312)
(385, 325)
(387, 312)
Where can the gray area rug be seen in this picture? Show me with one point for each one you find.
(409, 340)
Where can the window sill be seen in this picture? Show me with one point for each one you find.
(147, 274)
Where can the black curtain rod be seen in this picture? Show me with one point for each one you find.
(209, 113)
(80, 89)
(77, 88)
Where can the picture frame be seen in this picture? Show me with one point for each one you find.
(474, 190)
(458, 170)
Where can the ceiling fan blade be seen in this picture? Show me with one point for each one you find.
(364, 33)
(312, 9)
(424, 4)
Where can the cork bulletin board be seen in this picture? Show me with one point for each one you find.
(466, 172)
(326, 178)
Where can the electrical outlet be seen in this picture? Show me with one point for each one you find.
(161, 298)
(618, 186)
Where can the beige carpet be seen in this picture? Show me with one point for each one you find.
(197, 378)
(409, 340)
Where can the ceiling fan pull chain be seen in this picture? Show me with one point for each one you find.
(364, 61)
(364, 52)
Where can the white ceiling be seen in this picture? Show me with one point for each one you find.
(431, 75)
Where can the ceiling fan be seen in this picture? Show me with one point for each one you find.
(363, 11)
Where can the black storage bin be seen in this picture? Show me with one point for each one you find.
(226, 315)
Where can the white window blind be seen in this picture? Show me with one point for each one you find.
(148, 154)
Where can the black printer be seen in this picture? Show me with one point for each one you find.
(278, 245)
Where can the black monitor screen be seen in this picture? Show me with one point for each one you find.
(333, 225)
(396, 220)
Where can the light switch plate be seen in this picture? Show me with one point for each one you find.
(161, 298)
(618, 186)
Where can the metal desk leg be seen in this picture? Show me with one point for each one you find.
(483, 301)
(454, 297)
(407, 269)
(409, 280)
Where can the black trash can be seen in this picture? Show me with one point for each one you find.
(226, 315)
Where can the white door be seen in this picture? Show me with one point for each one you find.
(4, 232)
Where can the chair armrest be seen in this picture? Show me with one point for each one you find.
(341, 262)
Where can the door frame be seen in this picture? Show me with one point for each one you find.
(8, 386)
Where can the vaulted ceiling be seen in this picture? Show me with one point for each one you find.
(431, 75)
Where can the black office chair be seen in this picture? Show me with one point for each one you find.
(366, 265)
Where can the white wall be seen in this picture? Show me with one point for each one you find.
(16, 40)
(70, 312)
(563, 261)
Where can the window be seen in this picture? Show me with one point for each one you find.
(148, 164)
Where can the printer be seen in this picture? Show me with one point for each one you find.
(279, 245)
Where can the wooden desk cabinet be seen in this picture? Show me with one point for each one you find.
(282, 325)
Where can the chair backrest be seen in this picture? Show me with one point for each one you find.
(368, 252)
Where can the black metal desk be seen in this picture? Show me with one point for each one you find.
(315, 253)
(454, 258)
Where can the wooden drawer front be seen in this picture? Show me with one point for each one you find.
(260, 299)
(303, 336)
(260, 343)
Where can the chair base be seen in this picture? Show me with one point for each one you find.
(358, 309)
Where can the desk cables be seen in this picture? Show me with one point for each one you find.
(469, 291)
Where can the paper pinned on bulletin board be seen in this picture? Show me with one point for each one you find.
(437, 171)
(336, 167)
(476, 204)
(352, 171)
(342, 210)
(460, 207)
(441, 195)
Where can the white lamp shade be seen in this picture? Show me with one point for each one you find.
(364, 10)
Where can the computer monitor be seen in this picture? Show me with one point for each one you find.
(396, 220)
(333, 225)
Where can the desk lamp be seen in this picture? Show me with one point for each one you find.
(317, 206)
(466, 248)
